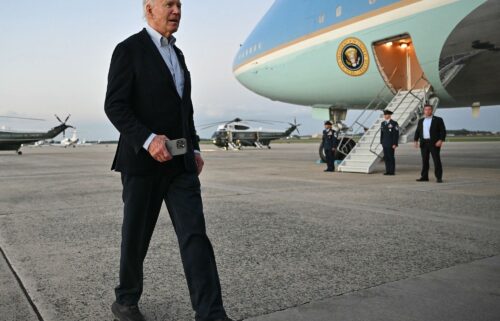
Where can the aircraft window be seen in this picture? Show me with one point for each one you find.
(241, 127)
(260, 45)
(372, 1)
(321, 19)
(254, 48)
(338, 12)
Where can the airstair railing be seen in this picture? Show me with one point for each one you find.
(367, 113)
(410, 92)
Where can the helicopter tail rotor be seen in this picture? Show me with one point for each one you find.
(295, 126)
(63, 123)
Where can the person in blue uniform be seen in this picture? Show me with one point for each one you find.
(389, 137)
(330, 143)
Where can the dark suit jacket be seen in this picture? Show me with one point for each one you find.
(141, 99)
(437, 130)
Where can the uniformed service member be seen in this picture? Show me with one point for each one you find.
(330, 143)
(389, 137)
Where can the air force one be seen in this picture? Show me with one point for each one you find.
(374, 54)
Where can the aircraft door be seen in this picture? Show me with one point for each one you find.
(398, 63)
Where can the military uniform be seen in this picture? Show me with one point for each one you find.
(389, 136)
(330, 142)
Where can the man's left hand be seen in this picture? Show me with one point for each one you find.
(439, 143)
(394, 146)
(199, 162)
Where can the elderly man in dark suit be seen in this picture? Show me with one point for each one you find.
(430, 136)
(148, 100)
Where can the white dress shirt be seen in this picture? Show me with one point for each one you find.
(166, 48)
(427, 127)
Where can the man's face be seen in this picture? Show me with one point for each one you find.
(328, 126)
(387, 117)
(164, 16)
(427, 111)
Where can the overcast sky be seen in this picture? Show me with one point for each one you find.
(55, 55)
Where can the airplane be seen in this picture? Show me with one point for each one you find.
(14, 140)
(237, 133)
(68, 142)
(374, 54)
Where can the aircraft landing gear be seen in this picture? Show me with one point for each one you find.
(346, 145)
(19, 152)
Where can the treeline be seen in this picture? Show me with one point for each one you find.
(465, 132)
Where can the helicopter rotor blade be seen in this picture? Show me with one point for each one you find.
(59, 119)
(69, 115)
(25, 118)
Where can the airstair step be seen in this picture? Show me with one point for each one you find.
(368, 150)
(352, 169)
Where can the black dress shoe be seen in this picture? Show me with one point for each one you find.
(126, 312)
(387, 174)
(422, 179)
(328, 170)
(224, 319)
(439, 180)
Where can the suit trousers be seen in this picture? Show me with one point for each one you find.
(427, 149)
(389, 159)
(330, 159)
(143, 197)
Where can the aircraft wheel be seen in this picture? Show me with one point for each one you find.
(19, 152)
(322, 155)
(346, 145)
(268, 147)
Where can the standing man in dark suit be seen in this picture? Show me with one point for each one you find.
(330, 143)
(431, 133)
(148, 100)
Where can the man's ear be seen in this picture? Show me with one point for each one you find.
(149, 11)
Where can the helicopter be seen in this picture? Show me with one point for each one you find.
(237, 133)
(14, 140)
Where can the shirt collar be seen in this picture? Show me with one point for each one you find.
(159, 39)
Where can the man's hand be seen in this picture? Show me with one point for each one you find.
(158, 150)
(439, 143)
(199, 162)
(416, 144)
(394, 146)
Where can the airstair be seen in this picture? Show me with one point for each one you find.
(407, 107)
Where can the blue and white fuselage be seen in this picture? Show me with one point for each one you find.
(339, 54)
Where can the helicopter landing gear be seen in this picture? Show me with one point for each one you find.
(268, 146)
(19, 152)
(258, 144)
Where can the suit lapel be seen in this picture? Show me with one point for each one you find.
(187, 78)
(152, 51)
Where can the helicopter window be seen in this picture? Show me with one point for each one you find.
(241, 127)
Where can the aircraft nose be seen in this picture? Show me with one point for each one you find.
(272, 30)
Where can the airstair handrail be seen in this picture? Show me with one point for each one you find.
(378, 100)
(410, 92)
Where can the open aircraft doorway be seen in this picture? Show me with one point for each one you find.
(398, 63)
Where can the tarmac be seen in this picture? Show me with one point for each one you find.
(292, 242)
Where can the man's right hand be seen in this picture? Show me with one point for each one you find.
(158, 150)
(416, 144)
